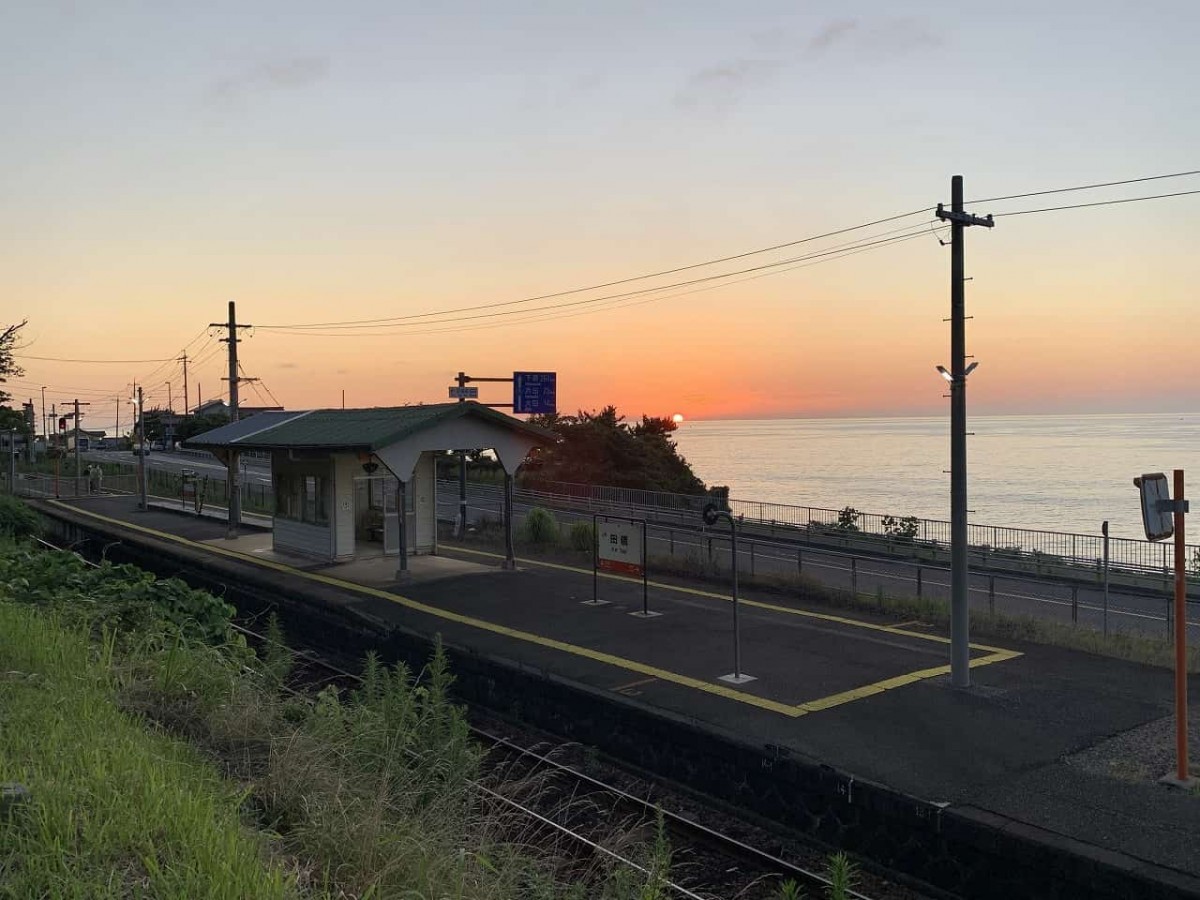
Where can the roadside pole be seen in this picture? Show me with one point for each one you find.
(1104, 531)
(645, 574)
(510, 554)
(462, 467)
(1163, 516)
(78, 470)
(12, 461)
(141, 424)
(233, 482)
(1182, 774)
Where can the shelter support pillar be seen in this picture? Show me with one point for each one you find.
(402, 529)
(510, 557)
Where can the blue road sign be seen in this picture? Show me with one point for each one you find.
(534, 392)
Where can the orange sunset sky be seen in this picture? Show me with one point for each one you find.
(381, 160)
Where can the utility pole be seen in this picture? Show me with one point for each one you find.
(141, 427)
(45, 424)
(235, 491)
(57, 452)
(78, 470)
(170, 399)
(462, 469)
(117, 426)
(960, 614)
(184, 359)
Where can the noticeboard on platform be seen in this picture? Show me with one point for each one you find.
(619, 546)
(535, 393)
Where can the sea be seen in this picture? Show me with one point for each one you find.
(1048, 472)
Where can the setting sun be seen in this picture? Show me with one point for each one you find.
(677, 418)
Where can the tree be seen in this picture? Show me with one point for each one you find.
(154, 422)
(601, 448)
(194, 425)
(8, 365)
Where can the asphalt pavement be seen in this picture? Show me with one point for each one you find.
(1084, 604)
(1052, 599)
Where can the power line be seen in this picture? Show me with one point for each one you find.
(90, 361)
(833, 252)
(1086, 187)
(617, 304)
(182, 351)
(608, 284)
(1029, 212)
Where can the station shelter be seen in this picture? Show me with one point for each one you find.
(341, 477)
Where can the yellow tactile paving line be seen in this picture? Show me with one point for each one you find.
(774, 607)
(794, 711)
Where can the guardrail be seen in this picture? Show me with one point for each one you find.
(1045, 549)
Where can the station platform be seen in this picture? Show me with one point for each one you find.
(1060, 742)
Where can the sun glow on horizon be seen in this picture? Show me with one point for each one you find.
(677, 418)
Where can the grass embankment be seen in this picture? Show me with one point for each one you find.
(117, 810)
(541, 537)
(163, 759)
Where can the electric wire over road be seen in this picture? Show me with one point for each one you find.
(567, 303)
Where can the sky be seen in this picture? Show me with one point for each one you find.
(322, 163)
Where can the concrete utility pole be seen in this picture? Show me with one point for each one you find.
(960, 617)
(184, 359)
(462, 471)
(45, 421)
(234, 379)
(78, 470)
(141, 427)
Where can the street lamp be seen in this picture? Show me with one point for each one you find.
(945, 373)
(711, 515)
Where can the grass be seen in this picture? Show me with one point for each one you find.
(115, 810)
(165, 759)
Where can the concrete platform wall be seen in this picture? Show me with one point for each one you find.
(966, 852)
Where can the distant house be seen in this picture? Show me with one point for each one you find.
(221, 408)
(88, 440)
(212, 408)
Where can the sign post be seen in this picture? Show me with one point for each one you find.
(619, 546)
(1163, 517)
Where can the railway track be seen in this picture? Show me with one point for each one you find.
(588, 811)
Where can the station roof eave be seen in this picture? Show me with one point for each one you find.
(364, 430)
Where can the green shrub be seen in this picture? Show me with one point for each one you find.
(540, 528)
(122, 599)
(16, 519)
(583, 537)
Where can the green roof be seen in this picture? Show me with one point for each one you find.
(358, 429)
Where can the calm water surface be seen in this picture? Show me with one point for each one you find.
(1062, 473)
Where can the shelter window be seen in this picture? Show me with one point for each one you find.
(302, 498)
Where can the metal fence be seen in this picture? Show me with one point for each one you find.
(906, 535)
(160, 485)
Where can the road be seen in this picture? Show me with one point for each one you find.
(256, 471)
